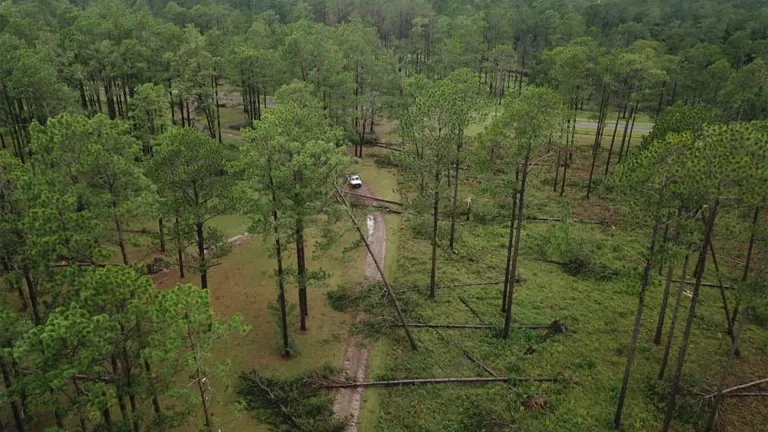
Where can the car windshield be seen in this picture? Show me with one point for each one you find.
(355, 178)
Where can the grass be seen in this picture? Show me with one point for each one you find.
(599, 315)
(587, 115)
(244, 284)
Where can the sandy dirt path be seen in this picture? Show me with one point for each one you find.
(348, 402)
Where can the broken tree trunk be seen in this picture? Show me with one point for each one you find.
(378, 268)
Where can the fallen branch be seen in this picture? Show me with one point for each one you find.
(471, 309)
(411, 382)
(738, 387)
(756, 394)
(466, 353)
(373, 198)
(706, 284)
(378, 268)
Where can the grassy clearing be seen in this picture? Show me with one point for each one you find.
(587, 115)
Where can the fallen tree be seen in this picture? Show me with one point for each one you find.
(706, 284)
(391, 293)
(555, 326)
(736, 388)
(548, 219)
(472, 309)
(373, 198)
(413, 382)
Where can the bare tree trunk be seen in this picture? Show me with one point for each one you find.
(723, 295)
(510, 242)
(216, 105)
(120, 387)
(302, 273)
(120, 236)
(726, 371)
(748, 262)
(18, 412)
(202, 261)
(161, 230)
(636, 329)
(455, 194)
(280, 271)
(15, 284)
(200, 379)
(150, 377)
(32, 290)
(435, 218)
(702, 263)
(557, 171)
(675, 314)
(631, 129)
(568, 157)
(613, 140)
(663, 309)
(181, 110)
(516, 252)
(598, 139)
(624, 136)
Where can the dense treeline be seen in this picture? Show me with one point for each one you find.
(110, 119)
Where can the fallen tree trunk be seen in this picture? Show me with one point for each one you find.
(706, 284)
(387, 147)
(373, 198)
(471, 309)
(412, 382)
(547, 219)
(756, 394)
(738, 387)
(381, 207)
(395, 303)
(472, 326)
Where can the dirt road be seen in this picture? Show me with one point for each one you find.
(349, 401)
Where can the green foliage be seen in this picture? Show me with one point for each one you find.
(149, 114)
(291, 404)
(190, 171)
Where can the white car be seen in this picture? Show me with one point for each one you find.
(354, 181)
